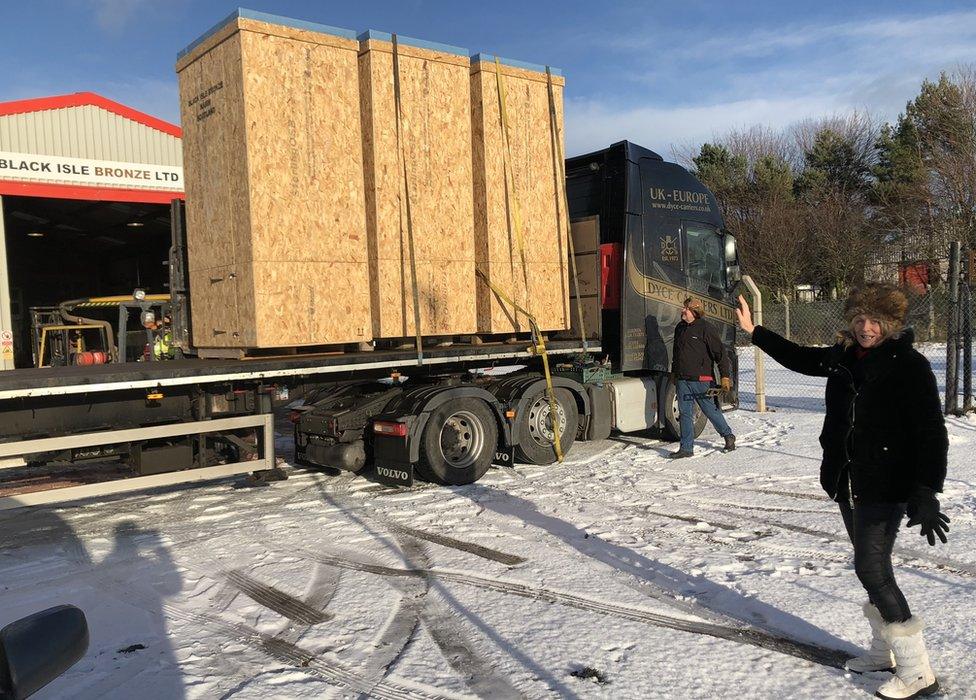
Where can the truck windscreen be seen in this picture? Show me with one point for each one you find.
(705, 259)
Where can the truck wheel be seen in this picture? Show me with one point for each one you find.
(669, 407)
(535, 427)
(459, 442)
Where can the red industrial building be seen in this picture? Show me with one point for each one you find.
(85, 187)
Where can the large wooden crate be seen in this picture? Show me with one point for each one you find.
(276, 226)
(542, 285)
(436, 147)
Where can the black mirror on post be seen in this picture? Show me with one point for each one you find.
(40, 647)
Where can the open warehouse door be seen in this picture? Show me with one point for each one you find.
(85, 187)
(60, 250)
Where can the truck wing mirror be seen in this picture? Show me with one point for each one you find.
(733, 273)
(38, 648)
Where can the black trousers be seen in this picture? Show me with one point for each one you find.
(872, 528)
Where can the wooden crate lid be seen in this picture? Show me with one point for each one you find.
(264, 23)
(483, 62)
(372, 40)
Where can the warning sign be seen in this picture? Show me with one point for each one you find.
(6, 345)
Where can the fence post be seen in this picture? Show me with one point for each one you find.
(931, 305)
(786, 312)
(760, 367)
(952, 335)
(967, 332)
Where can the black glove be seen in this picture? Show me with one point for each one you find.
(923, 509)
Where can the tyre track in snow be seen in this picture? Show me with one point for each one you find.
(403, 622)
(834, 658)
(283, 603)
(281, 650)
(475, 549)
(416, 608)
(910, 556)
(461, 655)
(276, 600)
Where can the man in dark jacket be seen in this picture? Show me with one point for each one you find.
(884, 453)
(697, 349)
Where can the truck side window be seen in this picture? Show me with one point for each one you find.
(705, 255)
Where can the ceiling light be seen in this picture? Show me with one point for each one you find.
(135, 224)
(35, 234)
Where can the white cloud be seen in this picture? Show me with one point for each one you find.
(769, 76)
(592, 125)
(114, 15)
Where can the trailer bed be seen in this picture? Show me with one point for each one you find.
(55, 381)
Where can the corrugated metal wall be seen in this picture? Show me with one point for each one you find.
(88, 132)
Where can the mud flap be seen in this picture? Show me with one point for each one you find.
(393, 474)
(391, 461)
(504, 456)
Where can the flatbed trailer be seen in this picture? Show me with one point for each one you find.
(647, 235)
(192, 419)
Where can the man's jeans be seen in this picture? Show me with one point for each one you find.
(689, 392)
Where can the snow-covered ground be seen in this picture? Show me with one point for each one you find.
(618, 574)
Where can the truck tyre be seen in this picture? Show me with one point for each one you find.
(669, 409)
(534, 427)
(459, 442)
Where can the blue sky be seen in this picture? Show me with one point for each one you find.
(663, 74)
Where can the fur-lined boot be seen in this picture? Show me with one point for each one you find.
(878, 656)
(913, 674)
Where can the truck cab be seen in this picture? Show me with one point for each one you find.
(654, 235)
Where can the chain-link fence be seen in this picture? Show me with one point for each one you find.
(818, 323)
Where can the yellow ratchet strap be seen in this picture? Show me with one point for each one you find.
(539, 348)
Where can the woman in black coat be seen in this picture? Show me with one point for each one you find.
(884, 452)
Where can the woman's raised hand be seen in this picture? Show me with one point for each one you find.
(744, 315)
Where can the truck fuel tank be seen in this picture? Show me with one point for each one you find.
(634, 403)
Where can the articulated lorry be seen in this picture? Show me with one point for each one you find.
(646, 234)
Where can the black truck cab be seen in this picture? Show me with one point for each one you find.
(661, 240)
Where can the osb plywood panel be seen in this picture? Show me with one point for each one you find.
(592, 317)
(302, 303)
(537, 187)
(275, 304)
(445, 292)
(549, 294)
(215, 292)
(547, 298)
(274, 149)
(215, 160)
(304, 150)
(436, 144)
(586, 241)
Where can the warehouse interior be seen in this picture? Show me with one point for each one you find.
(61, 249)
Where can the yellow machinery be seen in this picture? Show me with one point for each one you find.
(63, 337)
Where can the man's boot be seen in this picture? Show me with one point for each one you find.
(878, 657)
(680, 454)
(729, 443)
(913, 674)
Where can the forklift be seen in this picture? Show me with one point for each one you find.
(61, 336)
